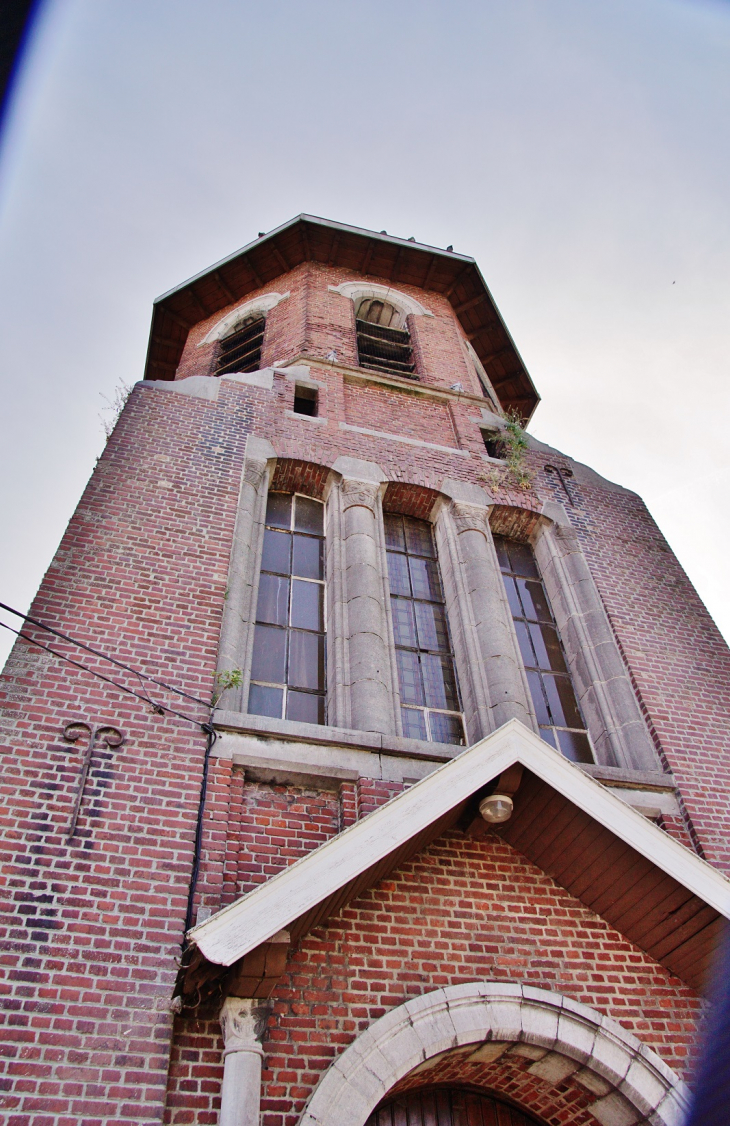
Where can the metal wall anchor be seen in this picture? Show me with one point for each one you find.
(106, 733)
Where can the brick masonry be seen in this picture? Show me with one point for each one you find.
(91, 930)
(464, 910)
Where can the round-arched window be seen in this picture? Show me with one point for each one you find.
(383, 339)
(448, 1106)
(240, 350)
(376, 311)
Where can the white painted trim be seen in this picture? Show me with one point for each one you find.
(628, 1071)
(263, 304)
(273, 906)
(357, 290)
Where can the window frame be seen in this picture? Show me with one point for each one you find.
(537, 672)
(289, 629)
(425, 709)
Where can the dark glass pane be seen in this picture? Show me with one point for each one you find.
(514, 603)
(547, 647)
(307, 605)
(269, 655)
(561, 699)
(538, 697)
(522, 630)
(265, 701)
(446, 728)
(278, 510)
(306, 659)
(308, 515)
(305, 707)
(398, 574)
(431, 620)
(424, 579)
(575, 746)
(439, 681)
(418, 537)
(523, 561)
(534, 600)
(273, 600)
(409, 677)
(501, 545)
(548, 736)
(308, 557)
(414, 723)
(394, 537)
(404, 627)
(277, 552)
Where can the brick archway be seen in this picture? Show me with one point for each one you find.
(632, 1082)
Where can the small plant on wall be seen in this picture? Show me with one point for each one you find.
(109, 416)
(515, 445)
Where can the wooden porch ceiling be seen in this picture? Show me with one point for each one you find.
(649, 907)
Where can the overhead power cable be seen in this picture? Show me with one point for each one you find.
(159, 708)
(98, 653)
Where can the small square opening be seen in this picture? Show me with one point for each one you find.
(493, 444)
(305, 400)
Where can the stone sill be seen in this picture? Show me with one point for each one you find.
(373, 741)
(637, 779)
(318, 419)
(296, 732)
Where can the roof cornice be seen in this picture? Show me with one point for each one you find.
(395, 261)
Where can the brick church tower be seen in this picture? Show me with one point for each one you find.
(377, 771)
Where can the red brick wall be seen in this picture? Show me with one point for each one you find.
(398, 412)
(252, 830)
(463, 910)
(91, 929)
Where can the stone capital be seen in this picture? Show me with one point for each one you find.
(470, 517)
(253, 471)
(243, 1020)
(359, 493)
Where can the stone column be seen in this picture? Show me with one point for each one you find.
(610, 708)
(243, 1021)
(364, 591)
(488, 659)
(243, 570)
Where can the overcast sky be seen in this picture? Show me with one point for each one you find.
(577, 148)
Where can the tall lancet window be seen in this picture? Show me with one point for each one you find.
(558, 714)
(383, 339)
(288, 664)
(429, 694)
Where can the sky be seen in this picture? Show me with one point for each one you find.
(578, 149)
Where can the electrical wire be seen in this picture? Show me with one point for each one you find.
(104, 656)
(159, 708)
(198, 847)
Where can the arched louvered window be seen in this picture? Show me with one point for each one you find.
(553, 697)
(241, 349)
(448, 1106)
(383, 339)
